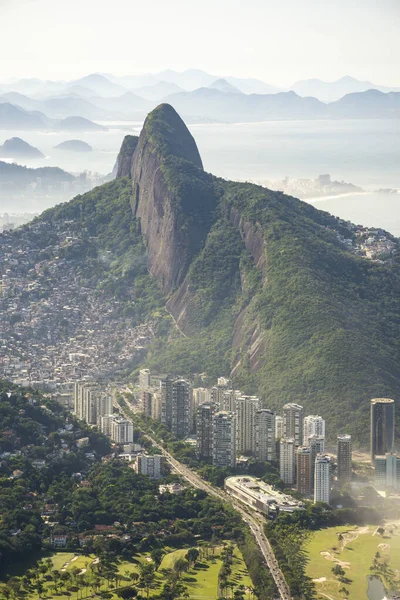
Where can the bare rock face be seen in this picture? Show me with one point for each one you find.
(123, 165)
(172, 195)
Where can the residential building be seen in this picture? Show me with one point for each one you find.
(303, 470)
(293, 422)
(322, 478)
(204, 430)
(264, 435)
(150, 465)
(382, 427)
(147, 401)
(344, 458)
(287, 461)
(224, 439)
(144, 379)
(121, 431)
(246, 408)
(278, 427)
(176, 405)
(312, 425)
(316, 443)
(387, 472)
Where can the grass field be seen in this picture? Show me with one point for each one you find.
(354, 549)
(201, 580)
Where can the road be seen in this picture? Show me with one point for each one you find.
(254, 521)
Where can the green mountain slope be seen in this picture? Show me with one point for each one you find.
(288, 299)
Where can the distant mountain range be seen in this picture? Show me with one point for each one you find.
(13, 117)
(197, 95)
(330, 91)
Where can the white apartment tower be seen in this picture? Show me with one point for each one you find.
(121, 431)
(322, 478)
(264, 435)
(313, 425)
(246, 408)
(293, 422)
(224, 439)
(287, 461)
(149, 465)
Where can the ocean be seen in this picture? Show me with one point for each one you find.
(363, 152)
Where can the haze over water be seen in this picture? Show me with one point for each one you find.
(363, 152)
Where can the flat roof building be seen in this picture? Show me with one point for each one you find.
(260, 495)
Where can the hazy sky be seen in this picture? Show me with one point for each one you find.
(279, 41)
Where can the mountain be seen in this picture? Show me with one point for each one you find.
(227, 107)
(14, 117)
(19, 176)
(252, 86)
(190, 79)
(100, 85)
(128, 105)
(224, 86)
(159, 90)
(258, 284)
(61, 107)
(372, 104)
(16, 148)
(20, 100)
(74, 146)
(330, 91)
(79, 124)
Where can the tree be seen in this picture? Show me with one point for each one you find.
(180, 565)
(192, 555)
(338, 570)
(157, 556)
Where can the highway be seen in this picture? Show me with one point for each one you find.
(253, 519)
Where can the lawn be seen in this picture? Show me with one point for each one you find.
(354, 549)
(201, 580)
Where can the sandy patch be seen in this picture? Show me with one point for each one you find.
(384, 547)
(319, 580)
(75, 558)
(328, 556)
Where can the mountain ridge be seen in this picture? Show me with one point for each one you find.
(258, 284)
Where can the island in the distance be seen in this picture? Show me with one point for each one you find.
(74, 146)
(17, 148)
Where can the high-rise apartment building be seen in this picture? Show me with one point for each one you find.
(144, 379)
(387, 472)
(204, 429)
(322, 478)
(287, 461)
(246, 408)
(382, 427)
(176, 406)
(264, 435)
(344, 458)
(293, 422)
(224, 439)
(150, 465)
(316, 443)
(121, 431)
(312, 425)
(147, 401)
(278, 427)
(303, 470)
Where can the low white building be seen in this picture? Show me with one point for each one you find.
(259, 495)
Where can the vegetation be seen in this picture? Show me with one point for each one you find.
(344, 556)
